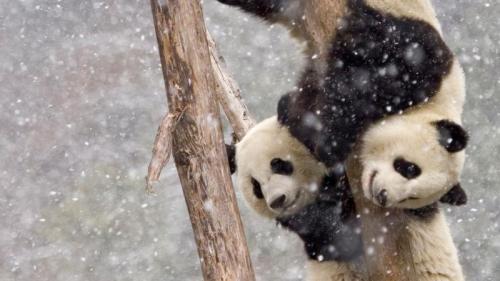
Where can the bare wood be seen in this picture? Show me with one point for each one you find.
(162, 148)
(197, 140)
(388, 255)
(228, 94)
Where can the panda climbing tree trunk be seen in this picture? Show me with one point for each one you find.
(193, 131)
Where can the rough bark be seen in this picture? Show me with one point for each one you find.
(197, 140)
(162, 148)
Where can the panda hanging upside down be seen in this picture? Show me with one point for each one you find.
(281, 179)
(367, 59)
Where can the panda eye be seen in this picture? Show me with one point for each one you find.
(407, 169)
(282, 167)
(257, 190)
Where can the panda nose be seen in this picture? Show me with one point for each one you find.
(382, 197)
(279, 202)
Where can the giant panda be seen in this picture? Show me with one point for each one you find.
(280, 179)
(367, 59)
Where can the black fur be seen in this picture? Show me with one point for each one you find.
(257, 189)
(262, 8)
(406, 168)
(379, 65)
(452, 136)
(328, 226)
(231, 157)
(425, 213)
(456, 196)
(298, 109)
(281, 167)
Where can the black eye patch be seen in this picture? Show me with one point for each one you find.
(407, 169)
(281, 167)
(257, 190)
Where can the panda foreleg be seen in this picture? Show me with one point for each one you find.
(331, 271)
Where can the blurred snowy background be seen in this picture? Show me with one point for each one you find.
(82, 94)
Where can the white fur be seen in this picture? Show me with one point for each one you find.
(331, 271)
(434, 254)
(415, 9)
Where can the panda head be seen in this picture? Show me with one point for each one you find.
(277, 175)
(411, 163)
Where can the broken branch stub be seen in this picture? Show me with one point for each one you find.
(162, 148)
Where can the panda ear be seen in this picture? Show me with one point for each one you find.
(283, 108)
(452, 136)
(231, 157)
(456, 196)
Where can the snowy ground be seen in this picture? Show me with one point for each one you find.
(80, 98)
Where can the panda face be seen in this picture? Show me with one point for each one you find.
(411, 163)
(280, 190)
(277, 175)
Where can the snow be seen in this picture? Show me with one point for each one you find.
(82, 95)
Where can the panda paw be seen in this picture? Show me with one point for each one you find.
(328, 233)
(456, 196)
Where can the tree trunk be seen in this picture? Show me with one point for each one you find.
(197, 140)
